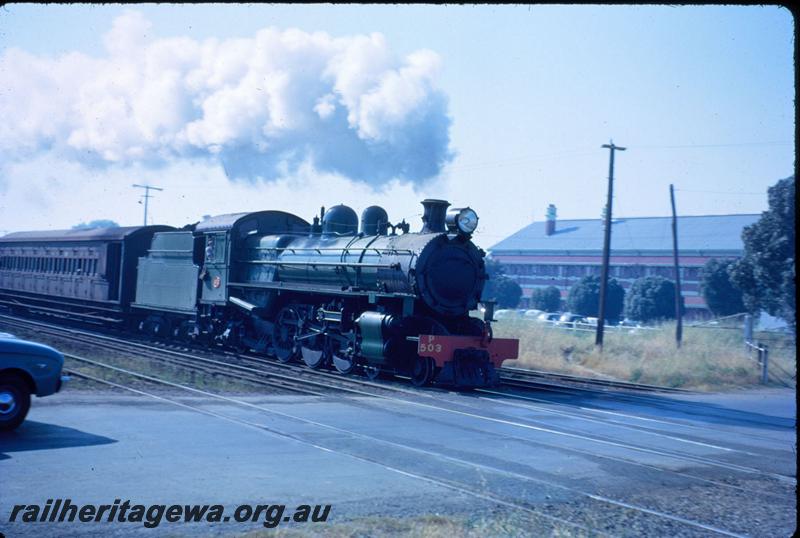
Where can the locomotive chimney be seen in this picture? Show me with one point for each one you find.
(434, 215)
(550, 226)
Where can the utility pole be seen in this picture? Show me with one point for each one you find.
(601, 317)
(678, 317)
(146, 196)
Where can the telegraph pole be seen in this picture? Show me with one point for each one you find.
(146, 196)
(601, 317)
(678, 317)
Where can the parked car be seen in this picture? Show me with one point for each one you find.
(532, 314)
(568, 319)
(25, 368)
(548, 317)
(504, 313)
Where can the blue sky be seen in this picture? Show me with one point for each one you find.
(701, 96)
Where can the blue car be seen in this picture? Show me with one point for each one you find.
(25, 368)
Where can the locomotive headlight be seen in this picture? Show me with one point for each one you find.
(462, 219)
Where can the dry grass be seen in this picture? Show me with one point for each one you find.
(709, 358)
(429, 526)
(134, 362)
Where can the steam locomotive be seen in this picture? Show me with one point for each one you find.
(380, 300)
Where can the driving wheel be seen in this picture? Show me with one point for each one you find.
(286, 328)
(315, 353)
(423, 372)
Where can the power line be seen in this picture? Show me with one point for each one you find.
(732, 145)
(520, 160)
(586, 151)
(724, 192)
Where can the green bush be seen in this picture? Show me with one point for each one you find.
(722, 298)
(547, 299)
(584, 298)
(651, 298)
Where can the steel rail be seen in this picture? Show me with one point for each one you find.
(531, 425)
(447, 484)
(438, 455)
(508, 372)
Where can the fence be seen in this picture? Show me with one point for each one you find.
(762, 352)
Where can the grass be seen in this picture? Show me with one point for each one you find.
(428, 526)
(709, 358)
(136, 363)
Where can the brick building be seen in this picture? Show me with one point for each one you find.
(559, 253)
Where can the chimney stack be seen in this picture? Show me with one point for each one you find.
(550, 225)
(434, 215)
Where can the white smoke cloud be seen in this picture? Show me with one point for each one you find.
(262, 106)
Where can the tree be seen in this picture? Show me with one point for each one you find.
(584, 297)
(499, 287)
(722, 298)
(651, 298)
(547, 299)
(102, 223)
(765, 273)
(508, 293)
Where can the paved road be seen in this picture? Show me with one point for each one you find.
(619, 465)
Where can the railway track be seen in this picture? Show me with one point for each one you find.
(459, 406)
(527, 378)
(510, 377)
(608, 505)
(218, 361)
(318, 383)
